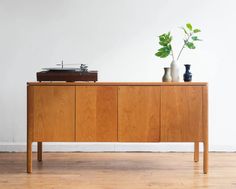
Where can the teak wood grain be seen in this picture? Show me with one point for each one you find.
(205, 127)
(30, 126)
(40, 151)
(117, 84)
(54, 114)
(138, 110)
(96, 114)
(181, 114)
(117, 112)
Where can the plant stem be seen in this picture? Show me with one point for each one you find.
(184, 46)
(181, 51)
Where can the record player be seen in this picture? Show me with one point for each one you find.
(68, 74)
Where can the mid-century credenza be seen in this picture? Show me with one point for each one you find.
(117, 112)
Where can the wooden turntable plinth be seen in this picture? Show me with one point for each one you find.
(69, 76)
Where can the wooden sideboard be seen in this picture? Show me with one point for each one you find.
(117, 112)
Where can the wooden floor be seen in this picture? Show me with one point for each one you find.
(118, 171)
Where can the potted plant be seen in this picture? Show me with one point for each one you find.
(191, 36)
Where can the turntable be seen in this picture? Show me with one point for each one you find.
(68, 74)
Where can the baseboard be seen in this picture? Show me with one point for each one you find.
(113, 147)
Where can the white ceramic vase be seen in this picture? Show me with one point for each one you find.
(174, 71)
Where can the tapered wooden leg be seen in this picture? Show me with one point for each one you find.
(205, 128)
(40, 151)
(29, 157)
(30, 124)
(205, 157)
(196, 151)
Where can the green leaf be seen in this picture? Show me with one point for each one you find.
(162, 37)
(189, 26)
(162, 43)
(164, 51)
(159, 54)
(196, 31)
(195, 38)
(167, 48)
(165, 39)
(168, 35)
(190, 45)
(162, 54)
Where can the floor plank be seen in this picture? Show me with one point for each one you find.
(117, 171)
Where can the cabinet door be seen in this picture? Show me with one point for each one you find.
(138, 113)
(96, 114)
(181, 113)
(54, 113)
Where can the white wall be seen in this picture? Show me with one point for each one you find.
(118, 38)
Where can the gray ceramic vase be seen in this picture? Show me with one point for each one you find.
(167, 75)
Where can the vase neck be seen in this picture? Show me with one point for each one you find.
(167, 70)
(187, 67)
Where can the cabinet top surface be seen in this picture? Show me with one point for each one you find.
(117, 83)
